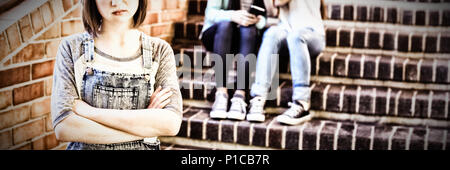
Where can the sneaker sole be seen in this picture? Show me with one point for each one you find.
(290, 121)
(218, 115)
(236, 115)
(256, 117)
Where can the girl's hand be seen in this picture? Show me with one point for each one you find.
(160, 98)
(244, 18)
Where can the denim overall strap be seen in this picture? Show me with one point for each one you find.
(147, 52)
(88, 47)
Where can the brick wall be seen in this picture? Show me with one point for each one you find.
(27, 51)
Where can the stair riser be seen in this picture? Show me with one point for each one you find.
(392, 15)
(355, 66)
(360, 38)
(423, 15)
(312, 135)
(372, 101)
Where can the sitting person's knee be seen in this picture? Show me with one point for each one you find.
(225, 25)
(249, 34)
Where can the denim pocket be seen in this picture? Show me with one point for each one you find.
(115, 98)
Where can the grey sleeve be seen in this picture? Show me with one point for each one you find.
(166, 76)
(64, 89)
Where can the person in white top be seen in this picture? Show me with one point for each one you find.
(302, 27)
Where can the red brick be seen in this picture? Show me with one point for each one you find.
(25, 28)
(13, 37)
(29, 53)
(48, 123)
(166, 38)
(44, 69)
(5, 99)
(51, 141)
(151, 18)
(155, 5)
(173, 16)
(38, 144)
(5, 139)
(171, 4)
(51, 48)
(71, 27)
(37, 21)
(15, 116)
(182, 4)
(28, 131)
(4, 44)
(157, 30)
(14, 76)
(25, 147)
(28, 93)
(47, 13)
(76, 13)
(40, 108)
(7, 62)
(53, 32)
(67, 4)
(58, 8)
(48, 86)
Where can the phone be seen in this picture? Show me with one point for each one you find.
(256, 10)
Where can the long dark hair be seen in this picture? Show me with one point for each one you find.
(92, 20)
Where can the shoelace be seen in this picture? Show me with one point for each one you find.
(242, 104)
(294, 109)
(257, 105)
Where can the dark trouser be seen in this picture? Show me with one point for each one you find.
(227, 38)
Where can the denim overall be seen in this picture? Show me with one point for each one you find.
(110, 90)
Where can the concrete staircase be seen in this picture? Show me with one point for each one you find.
(382, 83)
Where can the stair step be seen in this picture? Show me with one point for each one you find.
(391, 11)
(380, 39)
(171, 146)
(404, 13)
(349, 65)
(351, 99)
(317, 134)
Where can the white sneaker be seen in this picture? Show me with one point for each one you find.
(295, 115)
(219, 108)
(238, 109)
(256, 112)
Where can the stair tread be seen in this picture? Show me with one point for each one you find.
(197, 125)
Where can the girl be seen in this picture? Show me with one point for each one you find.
(104, 82)
(302, 27)
(228, 21)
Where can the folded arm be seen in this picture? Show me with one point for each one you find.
(142, 122)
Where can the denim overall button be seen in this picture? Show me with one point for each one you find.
(89, 71)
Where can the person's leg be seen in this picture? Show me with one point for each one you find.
(266, 63)
(220, 44)
(247, 44)
(265, 70)
(302, 44)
